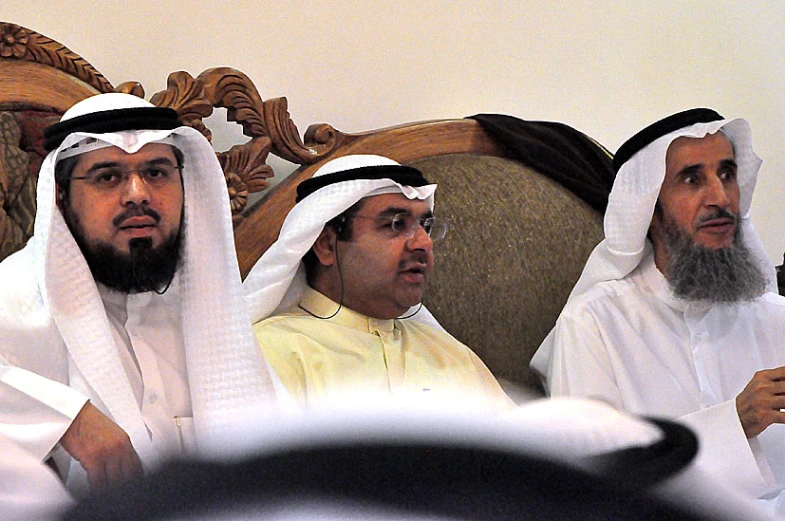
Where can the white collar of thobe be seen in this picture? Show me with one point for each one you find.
(126, 301)
(655, 280)
(319, 304)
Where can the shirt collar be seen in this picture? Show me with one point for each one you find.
(120, 301)
(657, 282)
(322, 306)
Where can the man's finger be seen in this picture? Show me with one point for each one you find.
(775, 374)
(132, 467)
(97, 476)
(114, 471)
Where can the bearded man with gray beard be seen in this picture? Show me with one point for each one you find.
(676, 313)
(698, 273)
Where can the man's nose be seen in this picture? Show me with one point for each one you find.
(420, 239)
(135, 190)
(717, 193)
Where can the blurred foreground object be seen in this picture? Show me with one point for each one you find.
(551, 459)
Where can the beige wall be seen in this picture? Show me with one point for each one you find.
(607, 68)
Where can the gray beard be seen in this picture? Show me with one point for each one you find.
(697, 273)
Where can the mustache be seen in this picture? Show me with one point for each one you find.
(718, 214)
(417, 259)
(136, 211)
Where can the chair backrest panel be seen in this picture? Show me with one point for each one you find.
(405, 143)
(516, 245)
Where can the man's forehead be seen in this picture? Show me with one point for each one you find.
(697, 150)
(114, 154)
(382, 202)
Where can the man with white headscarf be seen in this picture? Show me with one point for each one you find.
(344, 284)
(674, 314)
(124, 335)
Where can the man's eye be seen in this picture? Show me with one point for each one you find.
(398, 224)
(154, 173)
(691, 179)
(427, 224)
(728, 174)
(107, 177)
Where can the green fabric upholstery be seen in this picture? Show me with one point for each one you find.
(516, 245)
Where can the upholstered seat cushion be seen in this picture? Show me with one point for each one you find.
(515, 248)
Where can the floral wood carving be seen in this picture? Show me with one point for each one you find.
(17, 42)
(246, 172)
(267, 123)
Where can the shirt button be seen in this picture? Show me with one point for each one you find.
(153, 399)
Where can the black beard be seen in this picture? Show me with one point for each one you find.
(144, 268)
(697, 273)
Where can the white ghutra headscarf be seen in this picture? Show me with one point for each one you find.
(277, 280)
(635, 193)
(227, 375)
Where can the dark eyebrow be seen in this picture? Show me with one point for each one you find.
(729, 163)
(160, 161)
(689, 170)
(392, 211)
(102, 165)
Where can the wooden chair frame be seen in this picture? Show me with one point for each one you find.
(36, 71)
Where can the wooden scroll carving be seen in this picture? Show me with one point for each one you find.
(267, 123)
(20, 43)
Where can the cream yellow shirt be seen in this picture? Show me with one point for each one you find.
(353, 359)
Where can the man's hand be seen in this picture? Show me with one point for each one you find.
(760, 402)
(103, 449)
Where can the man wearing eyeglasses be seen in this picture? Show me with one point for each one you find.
(124, 335)
(344, 284)
(136, 249)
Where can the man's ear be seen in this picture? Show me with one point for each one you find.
(655, 235)
(655, 227)
(59, 197)
(325, 246)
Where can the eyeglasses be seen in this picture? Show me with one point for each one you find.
(406, 225)
(110, 178)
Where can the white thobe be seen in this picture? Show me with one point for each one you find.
(29, 490)
(154, 360)
(633, 344)
(42, 390)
